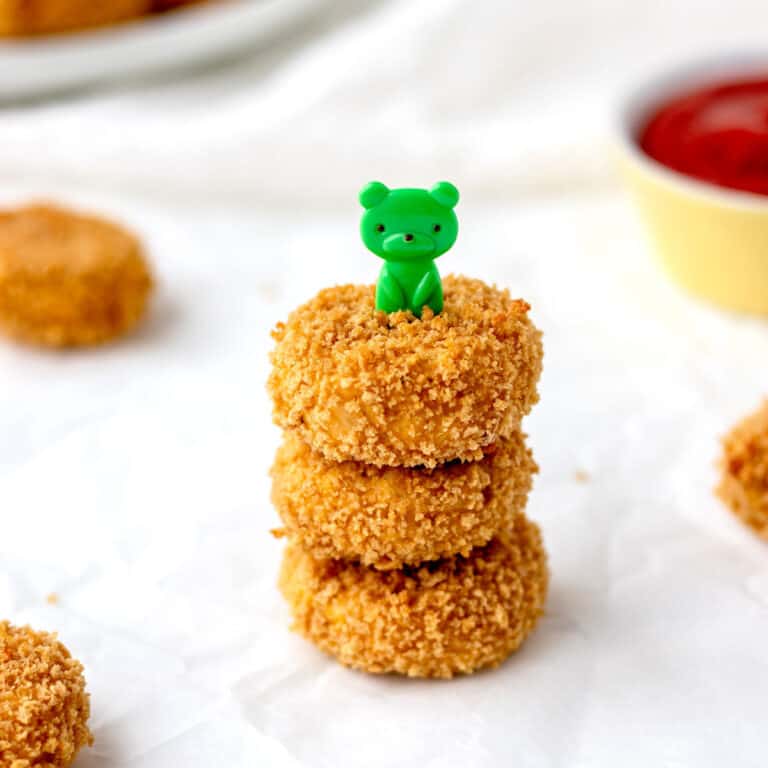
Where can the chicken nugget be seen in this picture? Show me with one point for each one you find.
(68, 279)
(391, 516)
(44, 708)
(450, 616)
(394, 390)
(744, 483)
(21, 18)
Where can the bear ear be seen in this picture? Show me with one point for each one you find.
(372, 194)
(445, 194)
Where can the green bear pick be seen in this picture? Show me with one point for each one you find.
(409, 229)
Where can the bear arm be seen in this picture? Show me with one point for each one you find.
(425, 288)
(389, 294)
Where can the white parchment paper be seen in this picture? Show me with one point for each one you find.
(133, 485)
(133, 479)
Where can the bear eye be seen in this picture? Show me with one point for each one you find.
(380, 227)
(436, 228)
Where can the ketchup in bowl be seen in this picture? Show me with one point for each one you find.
(717, 134)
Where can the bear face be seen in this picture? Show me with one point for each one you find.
(409, 224)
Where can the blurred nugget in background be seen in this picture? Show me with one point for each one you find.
(24, 18)
(69, 279)
(744, 483)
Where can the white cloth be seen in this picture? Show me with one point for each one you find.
(133, 479)
(503, 96)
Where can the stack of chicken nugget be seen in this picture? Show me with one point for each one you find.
(403, 478)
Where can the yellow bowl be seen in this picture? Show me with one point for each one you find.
(712, 240)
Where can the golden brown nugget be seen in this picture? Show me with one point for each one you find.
(44, 708)
(388, 517)
(451, 616)
(361, 385)
(21, 18)
(69, 279)
(744, 483)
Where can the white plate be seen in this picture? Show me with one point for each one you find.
(42, 65)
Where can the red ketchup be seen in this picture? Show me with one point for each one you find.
(718, 134)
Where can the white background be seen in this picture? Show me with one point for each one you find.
(133, 478)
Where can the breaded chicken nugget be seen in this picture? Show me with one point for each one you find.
(392, 390)
(68, 279)
(388, 517)
(744, 483)
(20, 18)
(44, 708)
(450, 616)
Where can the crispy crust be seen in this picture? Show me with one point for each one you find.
(44, 708)
(452, 616)
(392, 390)
(68, 279)
(388, 517)
(744, 483)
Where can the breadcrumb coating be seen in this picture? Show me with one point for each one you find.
(744, 483)
(451, 616)
(44, 708)
(392, 516)
(393, 390)
(68, 279)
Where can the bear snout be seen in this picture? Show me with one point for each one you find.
(408, 245)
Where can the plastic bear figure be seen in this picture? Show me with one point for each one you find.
(409, 228)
